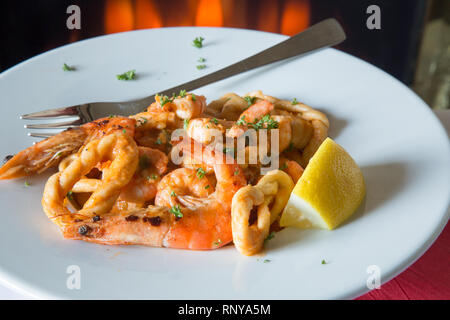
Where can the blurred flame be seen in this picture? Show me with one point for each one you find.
(268, 18)
(147, 15)
(295, 16)
(119, 16)
(209, 13)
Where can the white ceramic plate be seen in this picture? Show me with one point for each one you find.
(399, 144)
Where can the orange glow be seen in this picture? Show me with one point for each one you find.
(147, 15)
(268, 16)
(295, 16)
(119, 16)
(209, 13)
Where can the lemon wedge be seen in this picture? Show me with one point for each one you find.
(329, 191)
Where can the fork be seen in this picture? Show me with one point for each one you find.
(323, 34)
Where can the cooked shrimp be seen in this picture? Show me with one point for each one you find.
(205, 226)
(143, 186)
(49, 152)
(252, 114)
(292, 168)
(182, 182)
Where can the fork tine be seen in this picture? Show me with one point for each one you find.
(51, 113)
(53, 125)
(41, 135)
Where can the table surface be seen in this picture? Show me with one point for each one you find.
(427, 278)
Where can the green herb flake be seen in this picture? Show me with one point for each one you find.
(290, 147)
(250, 100)
(158, 141)
(198, 42)
(241, 121)
(124, 131)
(185, 123)
(237, 171)
(173, 194)
(26, 184)
(200, 173)
(267, 260)
(68, 68)
(324, 262)
(129, 75)
(201, 66)
(201, 60)
(152, 177)
(270, 236)
(193, 97)
(214, 120)
(176, 211)
(207, 187)
(218, 242)
(294, 101)
(182, 93)
(69, 195)
(143, 120)
(284, 166)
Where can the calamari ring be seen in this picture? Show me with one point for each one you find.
(249, 239)
(276, 186)
(118, 147)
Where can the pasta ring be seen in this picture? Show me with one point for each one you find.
(118, 147)
(276, 186)
(249, 239)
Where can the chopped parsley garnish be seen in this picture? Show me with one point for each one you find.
(198, 42)
(271, 124)
(68, 68)
(165, 99)
(193, 97)
(58, 154)
(70, 195)
(217, 242)
(201, 66)
(324, 262)
(250, 100)
(185, 123)
(124, 131)
(266, 260)
(158, 141)
(152, 177)
(201, 60)
(237, 171)
(214, 120)
(111, 116)
(129, 75)
(241, 121)
(290, 147)
(270, 236)
(207, 187)
(173, 194)
(200, 173)
(176, 211)
(26, 184)
(143, 120)
(182, 93)
(294, 101)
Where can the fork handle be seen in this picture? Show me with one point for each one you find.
(323, 34)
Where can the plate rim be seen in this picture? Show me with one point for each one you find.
(16, 284)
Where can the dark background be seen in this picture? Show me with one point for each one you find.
(28, 28)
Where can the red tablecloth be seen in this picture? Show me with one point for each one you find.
(428, 278)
